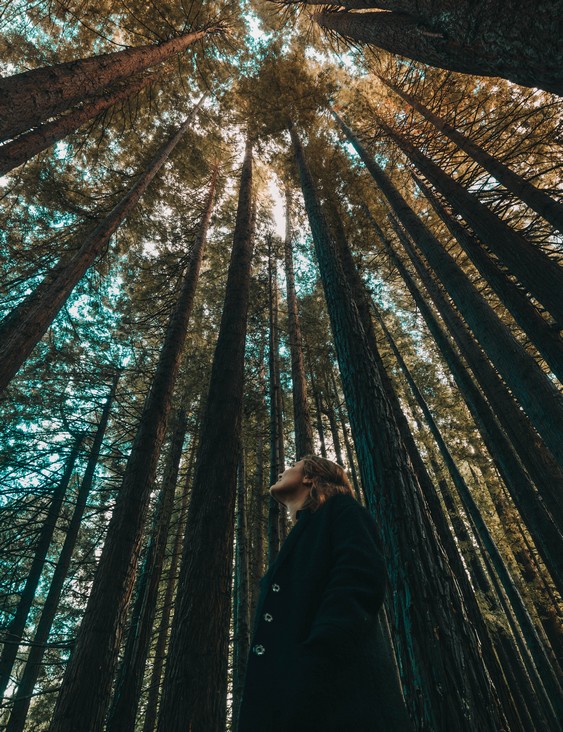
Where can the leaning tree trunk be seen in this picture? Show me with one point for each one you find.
(82, 706)
(445, 680)
(535, 198)
(128, 686)
(538, 272)
(33, 664)
(24, 327)
(536, 393)
(540, 524)
(14, 632)
(24, 147)
(195, 685)
(301, 414)
(364, 305)
(543, 335)
(435, 42)
(32, 97)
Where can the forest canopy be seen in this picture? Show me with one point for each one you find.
(234, 234)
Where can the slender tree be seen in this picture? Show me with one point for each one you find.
(408, 535)
(34, 660)
(195, 684)
(301, 415)
(32, 97)
(82, 705)
(23, 328)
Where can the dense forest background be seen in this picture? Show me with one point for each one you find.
(236, 233)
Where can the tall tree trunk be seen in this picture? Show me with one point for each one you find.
(277, 450)
(32, 97)
(535, 392)
(347, 445)
(364, 306)
(24, 327)
(32, 669)
(195, 684)
(540, 524)
(438, 647)
(149, 724)
(128, 686)
(14, 631)
(82, 706)
(241, 613)
(436, 45)
(543, 335)
(23, 148)
(301, 414)
(539, 273)
(547, 679)
(538, 200)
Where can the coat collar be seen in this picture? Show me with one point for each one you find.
(303, 519)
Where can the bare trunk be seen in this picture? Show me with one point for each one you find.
(24, 327)
(34, 96)
(195, 685)
(23, 148)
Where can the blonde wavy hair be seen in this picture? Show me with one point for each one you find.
(328, 478)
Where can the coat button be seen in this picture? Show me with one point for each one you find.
(258, 650)
(268, 618)
(275, 588)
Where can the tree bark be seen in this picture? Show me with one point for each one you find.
(538, 272)
(536, 393)
(301, 414)
(32, 668)
(437, 41)
(542, 203)
(195, 684)
(82, 706)
(24, 327)
(34, 96)
(439, 647)
(128, 686)
(24, 147)
(544, 336)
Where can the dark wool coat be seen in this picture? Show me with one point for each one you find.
(319, 661)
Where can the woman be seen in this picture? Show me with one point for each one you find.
(319, 661)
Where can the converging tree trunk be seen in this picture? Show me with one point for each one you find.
(14, 631)
(538, 200)
(438, 648)
(194, 693)
(486, 39)
(31, 143)
(534, 390)
(32, 669)
(82, 706)
(34, 96)
(24, 327)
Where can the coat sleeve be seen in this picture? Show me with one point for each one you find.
(356, 583)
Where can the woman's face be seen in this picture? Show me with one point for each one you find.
(290, 480)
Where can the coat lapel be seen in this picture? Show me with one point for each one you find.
(287, 546)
